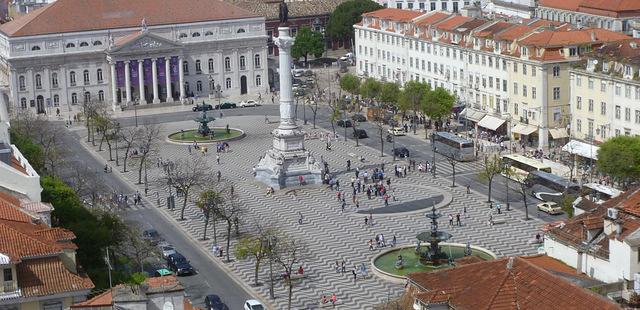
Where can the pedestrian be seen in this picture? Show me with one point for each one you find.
(370, 245)
(301, 180)
(499, 208)
(468, 189)
(189, 148)
(343, 266)
(218, 175)
(353, 271)
(338, 195)
(450, 220)
(458, 219)
(337, 184)
(299, 217)
(464, 210)
(348, 164)
(334, 299)
(357, 202)
(393, 241)
(218, 159)
(344, 204)
(386, 200)
(366, 221)
(370, 219)
(490, 219)
(337, 266)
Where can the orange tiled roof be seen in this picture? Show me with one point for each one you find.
(397, 15)
(48, 276)
(10, 209)
(569, 5)
(432, 18)
(453, 23)
(572, 37)
(65, 16)
(18, 245)
(159, 282)
(627, 51)
(104, 299)
(613, 8)
(490, 285)
(513, 33)
(492, 30)
(56, 234)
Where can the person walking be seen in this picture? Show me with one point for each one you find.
(370, 244)
(468, 189)
(464, 211)
(353, 272)
(343, 266)
(348, 164)
(393, 241)
(366, 221)
(450, 220)
(344, 204)
(299, 217)
(218, 159)
(458, 219)
(219, 175)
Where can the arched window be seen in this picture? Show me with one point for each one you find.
(101, 96)
(83, 44)
(72, 78)
(35, 48)
(256, 61)
(87, 97)
(186, 87)
(240, 30)
(212, 85)
(210, 65)
(74, 98)
(199, 86)
(227, 64)
(258, 80)
(95, 43)
(242, 63)
(208, 33)
(99, 75)
(198, 67)
(23, 102)
(56, 100)
(85, 75)
(185, 67)
(38, 81)
(228, 83)
(70, 45)
(182, 35)
(195, 34)
(21, 83)
(54, 80)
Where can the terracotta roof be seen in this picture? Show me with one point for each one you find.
(271, 9)
(513, 33)
(397, 15)
(104, 299)
(10, 209)
(431, 18)
(65, 16)
(56, 234)
(613, 8)
(569, 5)
(612, 5)
(551, 38)
(35, 206)
(453, 23)
(492, 30)
(491, 285)
(160, 282)
(627, 51)
(47, 276)
(18, 245)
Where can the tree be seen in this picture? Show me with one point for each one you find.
(412, 97)
(490, 168)
(130, 136)
(619, 157)
(147, 145)
(437, 104)
(522, 188)
(186, 174)
(135, 247)
(230, 212)
(370, 88)
(451, 159)
(91, 109)
(208, 203)
(350, 83)
(289, 252)
(256, 246)
(348, 14)
(389, 93)
(47, 135)
(307, 42)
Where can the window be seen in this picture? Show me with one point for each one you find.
(256, 61)
(533, 71)
(515, 109)
(35, 48)
(627, 114)
(294, 31)
(556, 93)
(185, 67)
(56, 100)
(83, 44)
(72, 78)
(627, 91)
(258, 80)
(54, 80)
(85, 75)
(74, 98)
(533, 92)
(70, 45)
(199, 86)
(617, 90)
(227, 64)
(7, 274)
(578, 80)
(96, 43)
(38, 81)
(186, 87)
(208, 33)
(637, 96)
(578, 103)
(579, 125)
(603, 86)
(210, 65)
(524, 69)
(590, 82)
(21, 83)
(243, 65)
(524, 90)
(101, 96)
(182, 35)
(99, 75)
(23, 103)
(603, 108)
(515, 88)
(637, 117)
(198, 67)
(504, 86)
(515, 67)
(618, 112)
(590, 105)
(87, 97)
(228, 83)
(556, 71)
(195, 34)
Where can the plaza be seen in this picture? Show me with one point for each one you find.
(330, 234)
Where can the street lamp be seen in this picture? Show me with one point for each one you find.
(135, 109)
(211, 85)
(116, 137)
(271, 244)
(433, 145)
(507, 167)
(218, 93)
(393, 150)
(304, 109)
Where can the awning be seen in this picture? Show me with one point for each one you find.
(491, 122)
(580, 148)
(472, 114)
(558, 133)
(524, 129)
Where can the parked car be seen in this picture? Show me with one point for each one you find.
(253, 304)
(198, 108)
(213, 302)
(298, 72)
(344, 123)
(226, 105)
(360, 134)
(167, 250)
(396, 131)
(152, 236)
(179, 264)
(248, 103)
(359, 118)
(162, 272)
(401, 152)
(550, 208)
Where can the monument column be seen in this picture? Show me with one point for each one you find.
(114, 91)
(154, 78)
(167, 74)
(284, 43)
(141, 81)
(127, 80)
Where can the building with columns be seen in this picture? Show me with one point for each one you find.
(122, 52)
(615, 15)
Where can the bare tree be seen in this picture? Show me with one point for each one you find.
(490, 168)
(230, 212)
(187, 174)
(314, 109)
(208, 202)
(453, 162)
(135, 247)
(90, 109)
(130, 136)
(86, 182)
(522, 188)
(44, 133)
(147, 146)
(289, 253)
(255, 246)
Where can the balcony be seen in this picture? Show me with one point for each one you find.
(9, 291)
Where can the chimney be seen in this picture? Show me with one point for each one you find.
(593, 36)
(579, 24)
(510, 263)
(618, 229)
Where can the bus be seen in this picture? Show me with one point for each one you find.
(448, 144)
(600, 193)
(521, 166)
(553, 182)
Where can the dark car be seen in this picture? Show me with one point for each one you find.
(401, 152)
(213, 302)
(197, 108)
(152, 236)
(344, 123)
(179, 264)
(226, 105)
(359, 118)
(360, 134)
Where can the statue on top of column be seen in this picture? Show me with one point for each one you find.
(284, 12)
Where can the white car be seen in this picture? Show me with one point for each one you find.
(253, 304)
(550, 208)
(248, 103)
(396, 131)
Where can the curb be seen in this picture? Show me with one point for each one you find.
(446, 201)
(209, 142)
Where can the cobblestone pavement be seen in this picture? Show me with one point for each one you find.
(331, 234)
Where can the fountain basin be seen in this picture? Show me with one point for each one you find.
(384, 266)
(220, 134)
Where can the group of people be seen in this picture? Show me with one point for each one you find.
(380, 242)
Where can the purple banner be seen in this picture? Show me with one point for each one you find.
(133, 65)
(161, 72)
(175, 75)
(120, 82)
(148, 72)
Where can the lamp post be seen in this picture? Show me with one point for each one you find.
(304, 109)
(433, 145)
(218, 93)
(393, 150)
(116, 137)
(507, 167)
(211, 86)
(135, 109)
(271, 243)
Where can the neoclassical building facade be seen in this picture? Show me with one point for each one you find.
(124, 52)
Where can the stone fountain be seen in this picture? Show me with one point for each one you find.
(433, 256)
(204, 121)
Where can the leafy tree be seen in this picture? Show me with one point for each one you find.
(31, 151)
(130, 136)
(348, 14)
(255, 246)
(619, 157)
(229, 212)
(289, 253)
(208, 202)
(389, 93)
(437, 104)
(370, 88)
(307, 42)
(412, 97)
(350, 83)
(490, 168)
(47, 135)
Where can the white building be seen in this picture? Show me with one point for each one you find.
(124, 51)
(515, 8)
(21, 7)
(615, 15)
(454, 6)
